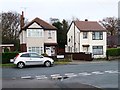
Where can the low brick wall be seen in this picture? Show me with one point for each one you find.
(79, 56)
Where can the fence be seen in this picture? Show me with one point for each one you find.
(79, 56)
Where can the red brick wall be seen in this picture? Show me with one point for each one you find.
(23, 48)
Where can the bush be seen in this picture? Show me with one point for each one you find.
(7, 56)
(113, 52)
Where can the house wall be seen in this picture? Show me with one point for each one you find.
(70, 39)
(92, 43)
(27, 41)
(23, 36)
(34, 25)
(53, 38)
(35, 41)
(79, 42)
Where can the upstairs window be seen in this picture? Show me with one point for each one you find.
(34, 32)
(97, 35)
(49, 34)
(85, 36)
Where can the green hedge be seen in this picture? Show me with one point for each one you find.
(113, 52)
(7, 56)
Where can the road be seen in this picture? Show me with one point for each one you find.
(97, 74)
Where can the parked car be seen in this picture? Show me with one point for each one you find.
(29, 58)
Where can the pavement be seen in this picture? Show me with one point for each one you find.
(34, 83)
(83, 62)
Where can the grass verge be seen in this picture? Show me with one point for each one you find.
(7, 65)
(60, 62)
(56, 63)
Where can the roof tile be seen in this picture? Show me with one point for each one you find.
(40, 22)
(89, 26)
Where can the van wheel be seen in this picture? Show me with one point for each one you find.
(47, 63)
(20, 65)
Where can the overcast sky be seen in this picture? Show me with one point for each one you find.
(62, 9)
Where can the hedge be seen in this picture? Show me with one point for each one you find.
(7, 56)
(113, 52)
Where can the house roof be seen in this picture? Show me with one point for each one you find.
(89, 26)
(40, 22)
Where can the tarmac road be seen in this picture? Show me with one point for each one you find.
(80, 75)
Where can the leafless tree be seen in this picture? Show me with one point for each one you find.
(110, 23)
(10, 26)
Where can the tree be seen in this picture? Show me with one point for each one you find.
(65, 30)
(10, 27)
(110, 23)
(61, 32)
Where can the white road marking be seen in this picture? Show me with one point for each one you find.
(41, 77)
(26, 77)
(56, 76)
(112, 71)
(84, 74)
(70, 75)
(97, 72)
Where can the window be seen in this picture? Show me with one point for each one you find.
(25, 55)
(97, 35)
(97, 50)
(34, 32)
(84, 35)
(38, 50)
(71, 39)
(34, 55)
(49, 34)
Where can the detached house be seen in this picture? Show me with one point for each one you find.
(86, 36)
(38, 36)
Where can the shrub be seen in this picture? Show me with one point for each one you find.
(44, 54)
(113, 52)
(7, 56)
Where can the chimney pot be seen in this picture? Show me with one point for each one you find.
(86, 19)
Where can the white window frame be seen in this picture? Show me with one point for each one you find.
(49, 34)
(38, 50)
(85, 35)
(35, 33)
(97, 50)
(97, 35)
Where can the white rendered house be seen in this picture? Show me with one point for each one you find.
(39, 36)
(87, 36)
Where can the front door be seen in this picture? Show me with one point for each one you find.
(85, 49)
(48, 51)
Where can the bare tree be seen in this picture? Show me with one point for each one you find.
(110, 23)
(10, 26)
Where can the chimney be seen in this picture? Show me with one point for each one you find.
(22, 20)
(86, 19)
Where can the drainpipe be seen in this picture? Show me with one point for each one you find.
(74, 36)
